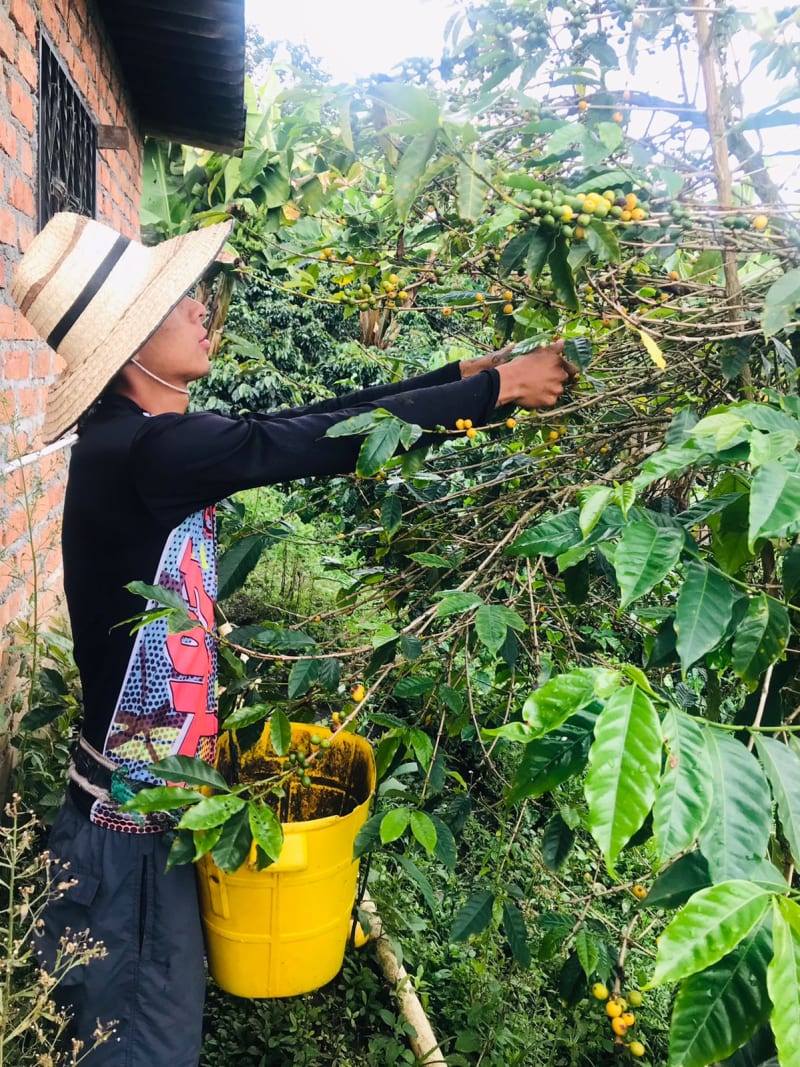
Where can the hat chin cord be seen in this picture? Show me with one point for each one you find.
(155, 377)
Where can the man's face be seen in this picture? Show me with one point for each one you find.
(178, 350)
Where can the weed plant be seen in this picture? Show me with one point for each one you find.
(32, 1029)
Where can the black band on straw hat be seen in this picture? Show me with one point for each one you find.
(89, 291)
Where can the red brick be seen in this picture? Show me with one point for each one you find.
(28, 403)
(7, 328)
(68, 55)
(43, 363)
(8, 408)
(10, 607)
(16, 365)
(26, 159)
(24, 330)
(21, 104)
(28, 66)
(89, 57)
(26, 235)
(74, 28)
(51, 19)
(8, 39)
(21, 197)
(14, 527)
(8, 228)
(22, 16)
(8, 138)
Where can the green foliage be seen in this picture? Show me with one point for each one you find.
(574, 635)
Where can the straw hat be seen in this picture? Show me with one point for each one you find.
(96, 297)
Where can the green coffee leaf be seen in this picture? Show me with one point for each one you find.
(588, 952)
(593, 501)
(474, 917)
(624, 768)
(678, 882)
(233, 847)
(703, 612)
(455, 602)
(717, 1010)
(562, 696)
(782, 767)
(645, 555)
(210, 811)
(379, 447)
(684, 796)
(162, 798)
(739, 822)
(774, 503)
(492, 622)
(557, 841)
(709, 926)
(302, 676)
(549, 761)
(783, 980)
(391, 514)
(239, 561)
(760, 638)
(517, 933)
(190, 770)
(246, 716)
(280, 732)
(423, 830)
(266, 828)
(394, 823)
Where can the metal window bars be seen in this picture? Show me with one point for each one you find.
(67, 143)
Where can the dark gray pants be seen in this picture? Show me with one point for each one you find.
(152, 979)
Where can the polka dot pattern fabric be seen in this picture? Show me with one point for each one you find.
(167, 703)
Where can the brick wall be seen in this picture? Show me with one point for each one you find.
(31, 495)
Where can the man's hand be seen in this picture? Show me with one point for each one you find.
(536, 379)
(533, 380)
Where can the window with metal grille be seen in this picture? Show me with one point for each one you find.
(67, 143)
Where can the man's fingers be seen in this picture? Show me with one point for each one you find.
(571, 369)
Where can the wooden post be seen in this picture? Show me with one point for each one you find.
(424, 1046)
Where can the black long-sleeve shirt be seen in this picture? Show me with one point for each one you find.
(139, 506)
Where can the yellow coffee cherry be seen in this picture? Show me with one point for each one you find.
(508, 295)
(471, 432)
(619, 1027)
(628, 1018)
(760, 222)
(639, 892)
(636, 1048)
(447, 311)
(613, 1009)
(460, 425)
(600, 991)
(508, 309)
(467, 424)
(358, 692)
(511, 423)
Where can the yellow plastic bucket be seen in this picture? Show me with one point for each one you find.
(284, 930)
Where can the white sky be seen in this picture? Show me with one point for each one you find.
(355, 38)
